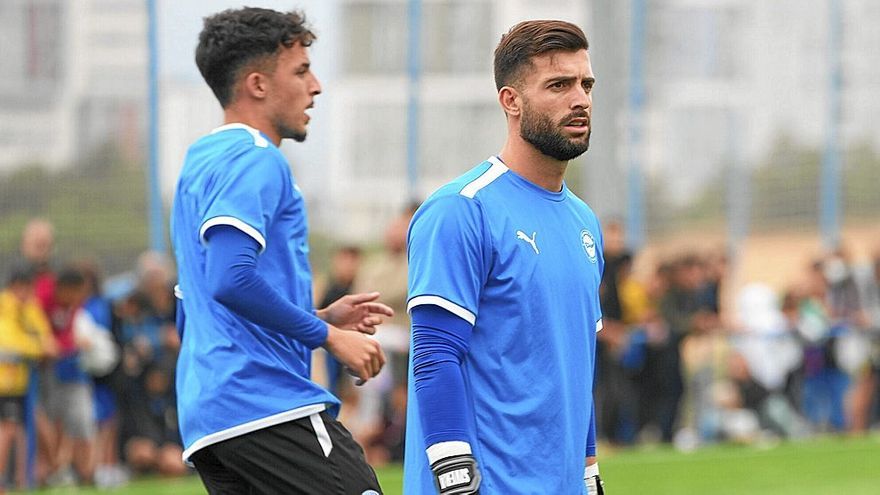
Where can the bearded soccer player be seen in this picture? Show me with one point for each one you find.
(504, 271)
(251, 419)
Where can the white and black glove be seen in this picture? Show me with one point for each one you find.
(455, 469)
(595, 485)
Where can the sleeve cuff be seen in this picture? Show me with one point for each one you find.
(591, 470)
(443, 450)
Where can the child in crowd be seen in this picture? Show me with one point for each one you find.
(25, 337)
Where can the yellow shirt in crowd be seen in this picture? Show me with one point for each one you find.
(25, 335)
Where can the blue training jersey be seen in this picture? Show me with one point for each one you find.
(523, 266)
(233, 376)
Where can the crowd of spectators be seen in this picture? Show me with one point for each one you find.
(86, 370)
(87, 365)
(686, 358)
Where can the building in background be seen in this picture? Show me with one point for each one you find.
(723, 79)
(73, 79)
(459, 123)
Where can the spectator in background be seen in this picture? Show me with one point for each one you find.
(108, 471)
(344, 267)
(150, 341)
(824, 383)
(156, 282)
(862, 349)
(154, 445)
(610, 390)
(715, 275)
(621, 352)
(25, 337)
(872, 397)
(703, 344)
(387, 271)
(873, 402)
(771, 352)
(843, 297)
(682, 309)
(67, 393)
(615, 252)
(37, 245)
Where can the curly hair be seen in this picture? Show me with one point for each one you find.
(250, 38)
(529, 39)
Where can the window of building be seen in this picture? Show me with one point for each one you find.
(375, 37)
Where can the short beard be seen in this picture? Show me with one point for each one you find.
(540, 132)
(287, 133)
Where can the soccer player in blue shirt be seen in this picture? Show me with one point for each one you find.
(251, 419)
(504, 270)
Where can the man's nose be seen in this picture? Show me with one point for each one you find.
(316, 86)
(583, 98)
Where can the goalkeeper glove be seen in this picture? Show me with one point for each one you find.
(595, 485)
(456, 473)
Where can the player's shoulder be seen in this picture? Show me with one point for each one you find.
(236, 146)
(581, 206)
(467, 187)
(459, 201)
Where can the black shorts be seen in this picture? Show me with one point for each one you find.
(314, 455)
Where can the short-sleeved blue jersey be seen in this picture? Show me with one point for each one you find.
(523, 266)
(233, 376)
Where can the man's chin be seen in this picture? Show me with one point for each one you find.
(298, 136)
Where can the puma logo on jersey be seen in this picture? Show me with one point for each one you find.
(531, 240)
(452, 478)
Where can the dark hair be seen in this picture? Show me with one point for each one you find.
(20, 274)
(529, 39)
(92, 274)
(237, 39)
(70, 277)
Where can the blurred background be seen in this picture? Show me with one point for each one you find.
(734, 166)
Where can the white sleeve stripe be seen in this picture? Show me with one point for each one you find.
(492, 173)
(443, 450)
(599, 325)
(232, 222)
(450, 306)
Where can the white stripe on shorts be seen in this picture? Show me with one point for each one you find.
(321, 433)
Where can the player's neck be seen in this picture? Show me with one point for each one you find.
(236, 115)
(534, 166)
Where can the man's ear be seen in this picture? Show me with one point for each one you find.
(255, 85)
(510, 100)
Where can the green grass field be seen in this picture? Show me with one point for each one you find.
(821, 466)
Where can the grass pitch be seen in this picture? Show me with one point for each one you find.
(814, 467)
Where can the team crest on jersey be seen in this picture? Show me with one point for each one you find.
(589, 245)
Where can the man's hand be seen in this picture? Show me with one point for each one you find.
(594, 483)
(456, 475)
(358, 312)
(359, 353)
